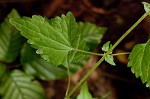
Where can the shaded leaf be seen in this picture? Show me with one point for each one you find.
(84, 93)
(57, 40)
(34, 65)
(140, 63)
(92, 34)
(2, 71)
(19, 85)
(10, 39)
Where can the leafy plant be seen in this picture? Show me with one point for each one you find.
(65, 45)
(15, 83)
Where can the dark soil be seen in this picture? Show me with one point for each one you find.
(118, 16)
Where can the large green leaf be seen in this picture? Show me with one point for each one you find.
(139, 61)
(34, 65)
(84, 93)
(10, 39)
(92, 34)
(18, 85)
(57, 40)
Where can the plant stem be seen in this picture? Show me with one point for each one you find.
(103, 57)
(124, 53)
(92, 53)
(68, 87)
(97, 54)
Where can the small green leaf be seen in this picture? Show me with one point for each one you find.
(18, 85)
(106, 46)
(57, 40)
(109, 59)
(140, 63)
(92, 34)
(146, 7)
(34, 65)
(10, 39)
(84, 93)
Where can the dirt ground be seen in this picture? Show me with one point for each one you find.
(118, 16)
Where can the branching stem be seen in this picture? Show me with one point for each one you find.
(103, 57)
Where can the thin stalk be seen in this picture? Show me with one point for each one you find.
(124, 53)
(103, 57)
(98, 54)
(92, 53)
(69, 79)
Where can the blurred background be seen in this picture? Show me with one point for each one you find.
(117, 15)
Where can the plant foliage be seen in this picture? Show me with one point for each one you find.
(146, 7)
(108, 58)
(57, 42)
(9, 37)
(84, 93)
(18, 85)
(139, 62)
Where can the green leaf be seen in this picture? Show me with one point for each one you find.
(92, 34)
(34, 65)
(10, 39)
(2, 71)
(139, 62)
(146, 7)
(108, 58)
(84, 93)
(19, 85)
(106, 46)
(57, 40)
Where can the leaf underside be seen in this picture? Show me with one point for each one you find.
(18, 85)
(9, 37)
(57, 40)
(140, 63)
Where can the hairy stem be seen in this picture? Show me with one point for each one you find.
(103, 57)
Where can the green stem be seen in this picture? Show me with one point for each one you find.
(124, 53)
(92, 53)
(97, 54)
(68, 87)
(103, 57)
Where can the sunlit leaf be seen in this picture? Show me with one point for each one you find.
(140, 63)
(57, 40)
(10, 39)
